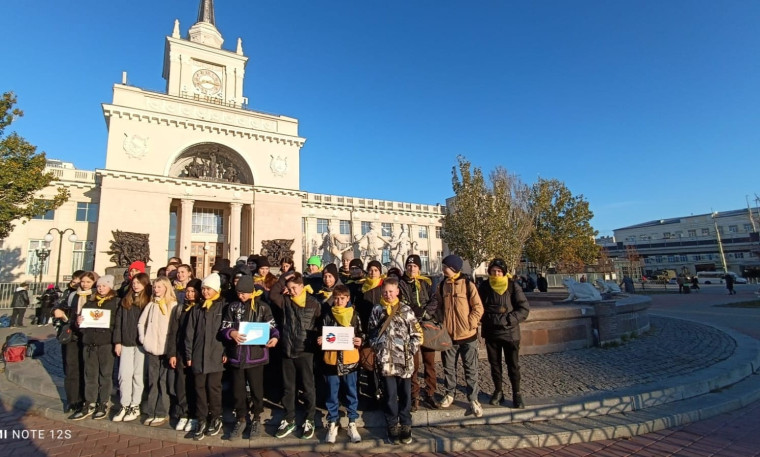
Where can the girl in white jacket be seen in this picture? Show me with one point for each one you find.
(153, 328)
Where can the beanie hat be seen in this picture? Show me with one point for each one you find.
(245, 285)
(376, 264)
(314, 260)
(415, 259)
(242, 270)
(106, 280)
(137, 265)
(50, 286)
(347, 255)
(332, 269)
(242, 260)
(196, 284)
(213, 281)
(394, 272)
(498, 263)
(356, 263)
(262, 262)
(454, 262)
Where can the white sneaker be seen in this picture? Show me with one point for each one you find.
(332, 432)
(477, 410)
(191, 426)
(120, 415)
(149, 420)
(181, 424)
(447, 401)
(133, 413)
(353, 433)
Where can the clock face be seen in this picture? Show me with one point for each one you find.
(207, 82)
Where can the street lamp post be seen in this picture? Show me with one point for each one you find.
(42, 255)
(49, 237)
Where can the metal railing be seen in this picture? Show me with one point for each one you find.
(35, 290)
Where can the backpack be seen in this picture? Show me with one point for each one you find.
(35, 349)
(5, 321)
(14, 349)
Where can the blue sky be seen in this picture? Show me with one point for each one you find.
(649, 109)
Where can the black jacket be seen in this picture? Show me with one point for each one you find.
(175, 340)
(202, 343)
(246, 356)
(503, 313)
(68, 304)
(20, 298)
(100, 336)
(365, 304)
(299, 329)
(420, 299)
(125, 326)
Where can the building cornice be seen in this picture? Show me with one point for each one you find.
(189, 183)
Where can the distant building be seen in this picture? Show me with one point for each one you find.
(726, 240)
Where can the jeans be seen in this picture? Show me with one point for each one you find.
(17, 317)
(157, 403)
(350, 390)
(98, 373)
(469, 354)
(292, 370)
(495, 347)
(397, 400)
(131, 372)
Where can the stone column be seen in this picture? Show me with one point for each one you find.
(185, 230)
(234, 231)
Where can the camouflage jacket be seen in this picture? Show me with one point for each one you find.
(395, 348)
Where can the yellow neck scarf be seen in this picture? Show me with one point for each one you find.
(300, 299)
(84, 293)
(259, 278)
(100, 300)
(207, 304)
(454, 278)
(388, 305)
(326, 293)
(499, 283)
(424, 279)
(370, 283)
(161, 305)
(253, 298)
(343, 315)
(189, 306)
(179, 286)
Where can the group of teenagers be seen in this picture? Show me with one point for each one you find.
(174, 338)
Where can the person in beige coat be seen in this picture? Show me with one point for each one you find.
(460, 310)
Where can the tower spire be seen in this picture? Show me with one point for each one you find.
(206, 12)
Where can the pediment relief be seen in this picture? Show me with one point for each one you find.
(212, 162)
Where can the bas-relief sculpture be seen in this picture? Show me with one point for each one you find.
(211, 166)
(580, 291)
(276, 250)
(367, 247)
(127, 247)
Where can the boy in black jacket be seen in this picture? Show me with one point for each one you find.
(300, 322)
(247, 361)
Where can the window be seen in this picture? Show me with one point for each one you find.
(87, 212)
(748, 227)
(345, 227)
(439, 254)
(387, 229)
(386, 256)
(658, 258)
(322, 225)
(423, 233)
(32, 261)
(684, 258)
(425, 261)
(720, 229)
(705, 231)
(692, 233)
(733, 228)
(208, 221)
(738, 255)
(666, 235)
(366, 227)
(48, 215)
(697, 257)
(171, 248)
(83, 257)
(672, 259)
(438, 233)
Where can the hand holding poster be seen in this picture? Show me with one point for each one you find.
(256, 333)
(337, 338)
(95, 318)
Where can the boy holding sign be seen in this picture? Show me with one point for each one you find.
(247, 360)
(341, 365)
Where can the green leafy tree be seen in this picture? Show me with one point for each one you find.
(22, 174)
(510, 222)
(464, 227)
(563, 235)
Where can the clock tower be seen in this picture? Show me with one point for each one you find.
(198, 68)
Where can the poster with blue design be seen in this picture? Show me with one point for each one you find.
(337, 338)
(256, 333)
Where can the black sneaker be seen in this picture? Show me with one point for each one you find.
(214, 427)
(255, 429)
(84, 412)
(405, 434)
(393, 434)
(200, 432)
(101, 411)
(237, 428)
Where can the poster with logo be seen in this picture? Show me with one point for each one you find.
(95, 318)
(256, 333)
(337, 338)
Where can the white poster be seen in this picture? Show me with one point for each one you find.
(95, 318)
(337, 338)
